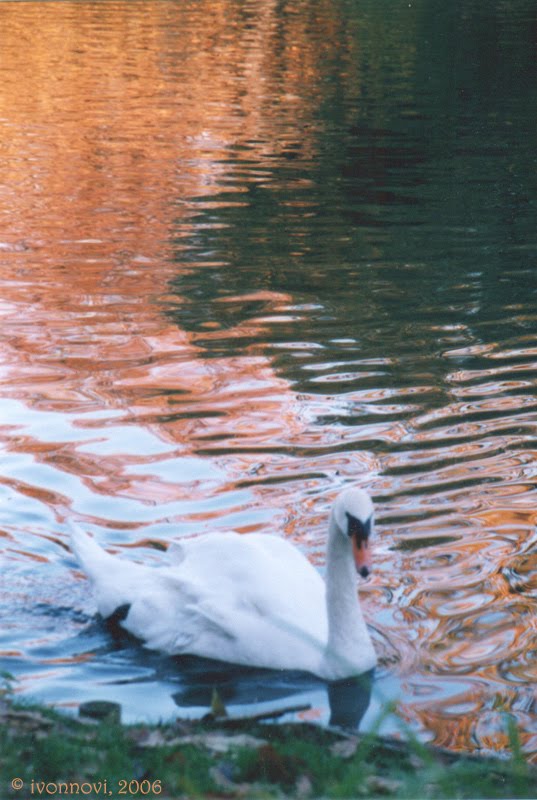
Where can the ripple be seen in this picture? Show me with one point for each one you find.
(522, 574)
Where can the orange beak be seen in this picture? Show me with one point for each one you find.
(362, 557)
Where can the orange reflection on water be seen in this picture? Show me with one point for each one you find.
(110, 127)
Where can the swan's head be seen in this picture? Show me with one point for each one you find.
(353, 514)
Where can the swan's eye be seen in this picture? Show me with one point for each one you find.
(360, 530)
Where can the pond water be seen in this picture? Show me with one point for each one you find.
(252, 252)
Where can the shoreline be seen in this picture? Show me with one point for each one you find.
(51, 754)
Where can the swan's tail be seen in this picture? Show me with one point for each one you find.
(91, 557)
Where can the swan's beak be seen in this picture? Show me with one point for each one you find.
(362, 556)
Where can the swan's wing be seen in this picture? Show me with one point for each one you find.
(173, 614)
(178, 549)
(252, 591)
(176, 553)
(164, 607)
(254, 570)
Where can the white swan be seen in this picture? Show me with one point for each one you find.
(250, 599)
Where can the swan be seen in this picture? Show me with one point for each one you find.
(249, 599)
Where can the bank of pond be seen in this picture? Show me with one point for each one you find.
(45, 754)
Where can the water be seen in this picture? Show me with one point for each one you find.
(251, 253)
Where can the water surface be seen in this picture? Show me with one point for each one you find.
(251, 253)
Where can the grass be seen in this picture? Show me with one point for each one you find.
(58, 756)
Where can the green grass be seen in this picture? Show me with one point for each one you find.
(294, 760)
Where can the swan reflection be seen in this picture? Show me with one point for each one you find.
(349, 700)
(251, 692)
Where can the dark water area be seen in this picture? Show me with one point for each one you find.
(251, 253)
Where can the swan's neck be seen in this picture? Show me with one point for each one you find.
(349, 645)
